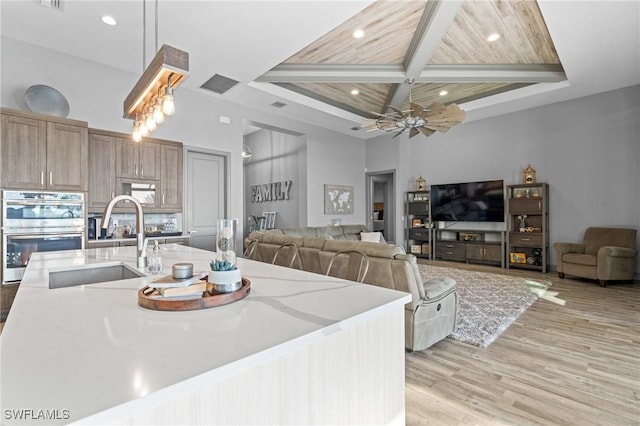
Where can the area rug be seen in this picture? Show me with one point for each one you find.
(487, 303)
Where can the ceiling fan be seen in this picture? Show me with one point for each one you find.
(418, 119)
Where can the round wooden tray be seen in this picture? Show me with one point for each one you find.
(206, 301)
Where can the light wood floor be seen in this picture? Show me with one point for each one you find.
(577, 364)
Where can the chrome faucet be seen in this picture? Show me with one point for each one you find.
(142, 254)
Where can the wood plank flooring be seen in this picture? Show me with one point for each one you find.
(577, 364)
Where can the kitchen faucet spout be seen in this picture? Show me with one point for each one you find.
(142, 253)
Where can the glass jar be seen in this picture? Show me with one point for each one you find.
(225, 240)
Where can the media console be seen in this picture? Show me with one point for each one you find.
(471, 246)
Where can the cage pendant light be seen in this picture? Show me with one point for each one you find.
(168, 69)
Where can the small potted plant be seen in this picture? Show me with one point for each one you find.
(224, 277)
(523, 223)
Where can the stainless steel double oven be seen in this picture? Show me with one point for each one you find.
(35, 221)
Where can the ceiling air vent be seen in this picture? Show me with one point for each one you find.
(53, 4)
(279, 104)
(219, 84)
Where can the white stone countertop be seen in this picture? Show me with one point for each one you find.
(94, 355)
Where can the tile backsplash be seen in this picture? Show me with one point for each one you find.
(171, 222)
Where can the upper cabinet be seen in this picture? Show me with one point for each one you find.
(171, 176)
(150, 171)
(102, 163)
(43, 152)
(137, 160)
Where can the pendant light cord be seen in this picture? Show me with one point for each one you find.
(156, 46)
(144, 34)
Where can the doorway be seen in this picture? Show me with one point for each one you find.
(381, 203)
(205, 196)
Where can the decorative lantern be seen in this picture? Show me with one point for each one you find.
(421, 184)
(529, 175)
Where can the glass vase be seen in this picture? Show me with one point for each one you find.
(225, 241)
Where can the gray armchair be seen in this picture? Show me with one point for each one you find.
(606, 254)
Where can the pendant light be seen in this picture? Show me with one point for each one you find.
(152, 96)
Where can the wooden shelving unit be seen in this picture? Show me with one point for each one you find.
(528, 226)
(418, 236)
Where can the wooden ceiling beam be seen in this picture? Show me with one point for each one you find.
(517, 73)
(289, 73)
(433, 25)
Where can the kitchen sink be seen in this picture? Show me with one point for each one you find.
(92, 274)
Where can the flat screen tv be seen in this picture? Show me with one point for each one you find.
(469, 202)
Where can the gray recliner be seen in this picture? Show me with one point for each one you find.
(606, 254)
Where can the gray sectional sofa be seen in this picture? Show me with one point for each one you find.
(431, 314)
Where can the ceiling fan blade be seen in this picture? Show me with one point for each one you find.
(398, 134)
(397, 111)
(416, 109)
(426, 131)
(413, 132)
(436, 107)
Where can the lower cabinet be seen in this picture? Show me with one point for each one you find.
(7, 294)
(470, 246)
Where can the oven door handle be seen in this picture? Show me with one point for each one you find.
(40, 235)
(43, 203)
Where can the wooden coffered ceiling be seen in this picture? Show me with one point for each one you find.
(439, 45)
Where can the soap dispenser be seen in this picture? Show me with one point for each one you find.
(155, 260)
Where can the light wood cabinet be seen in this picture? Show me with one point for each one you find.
(137, 160)
(102, 163)
(42, 152)
(171, 177)
(118, 164)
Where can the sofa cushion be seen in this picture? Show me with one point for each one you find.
(334, 232)
(580, 259)
(388, 251)
(277, 239)
(305, 231)
(352, 232)
(314, 242)
(371, 237)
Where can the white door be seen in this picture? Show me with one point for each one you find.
(205, 197)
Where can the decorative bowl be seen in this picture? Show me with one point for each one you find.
(468, 237)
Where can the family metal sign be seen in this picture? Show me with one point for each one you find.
(273, 191)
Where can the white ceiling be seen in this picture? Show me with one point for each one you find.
(598, 43)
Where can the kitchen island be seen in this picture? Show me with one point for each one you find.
(302, 348)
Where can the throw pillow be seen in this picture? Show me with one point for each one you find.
(371, 237)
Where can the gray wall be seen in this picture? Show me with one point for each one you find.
(587, 149)
(96, 92)
(276, 157)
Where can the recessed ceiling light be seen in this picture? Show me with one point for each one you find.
(109, 20)
(358, 33)
(355, 91)
(493, 37)
(443, 93)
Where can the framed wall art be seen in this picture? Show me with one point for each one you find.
(338, 199)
